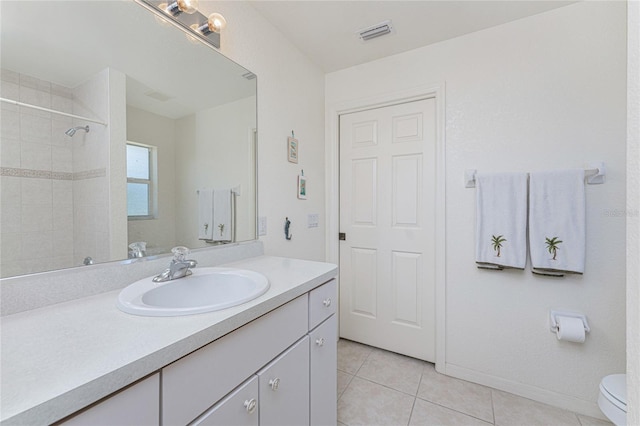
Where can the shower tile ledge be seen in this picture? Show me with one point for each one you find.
(61, 358)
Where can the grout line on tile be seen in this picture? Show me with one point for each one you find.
(345, 388)
(388, 387)
(420, 382)
(413, 406)
(363, 362)
(493, 410)
(457, 411)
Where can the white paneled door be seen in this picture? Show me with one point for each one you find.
(387, 213)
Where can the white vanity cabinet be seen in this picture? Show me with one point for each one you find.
(323, 353)
(239, 408)
(322, 303)
(323, 341)
(194, 383)
(284, 388)
(291, 352)
(279, 369)
(277, 395)
(136, 405)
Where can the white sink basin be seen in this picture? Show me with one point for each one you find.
(206, 290)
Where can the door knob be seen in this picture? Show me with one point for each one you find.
(250, 405)
(320, 341)
(274, 383)
(326, 302)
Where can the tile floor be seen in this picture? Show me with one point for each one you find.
(376, 387)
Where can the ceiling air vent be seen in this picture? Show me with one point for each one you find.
(374, 31)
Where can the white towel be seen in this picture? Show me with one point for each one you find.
(501, 220)
(557, 222)
(222, 215)
(205, 214)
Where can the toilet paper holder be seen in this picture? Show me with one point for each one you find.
(554, 322)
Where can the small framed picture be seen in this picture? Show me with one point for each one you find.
(292, 149)
(302, 187)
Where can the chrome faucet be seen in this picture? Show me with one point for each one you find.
(138, 249)
(179, 266)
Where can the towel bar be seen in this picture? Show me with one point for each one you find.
(594, 174)
(236, 190)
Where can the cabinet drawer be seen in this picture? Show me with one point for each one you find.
(194, 383)
(324, 364)
(322, 303)
(137, 405)
(240, 408)
(284, 388)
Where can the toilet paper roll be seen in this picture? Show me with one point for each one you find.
(570, 329)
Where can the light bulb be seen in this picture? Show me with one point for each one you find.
(216, 22)
(179, 6)
(188, 6)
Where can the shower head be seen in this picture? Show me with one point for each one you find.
(72, 131)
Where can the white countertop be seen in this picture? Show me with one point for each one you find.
(58, 359)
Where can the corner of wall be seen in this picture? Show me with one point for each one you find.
(117, 136)
(633, 212)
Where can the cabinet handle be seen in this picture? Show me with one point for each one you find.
(274, 383)
(320, 341)
(250, 405)
(326, 303)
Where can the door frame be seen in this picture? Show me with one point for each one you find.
(332, 167)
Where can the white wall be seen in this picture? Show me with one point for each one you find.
(90, 164)
(215, 151)
(117, 165)
(290, 97)
(544, 92)
(633, 213)
(155, 130)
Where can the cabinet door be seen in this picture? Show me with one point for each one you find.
(239, 408)
(284, 388)
(137, 405)
(323, 358)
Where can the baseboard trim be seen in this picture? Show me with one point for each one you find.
(566, 402)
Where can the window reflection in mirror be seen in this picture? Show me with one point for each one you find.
(140, 182)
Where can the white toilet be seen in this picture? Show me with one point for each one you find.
(613, 398)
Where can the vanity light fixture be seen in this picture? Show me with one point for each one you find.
(185, 14)
(177, 7)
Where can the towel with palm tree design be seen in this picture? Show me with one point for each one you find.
(557, 222)
(501, 220)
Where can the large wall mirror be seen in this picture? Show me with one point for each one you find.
(118, 128)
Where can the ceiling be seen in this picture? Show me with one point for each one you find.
(325, 31)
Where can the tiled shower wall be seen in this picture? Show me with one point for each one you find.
(38, 177)
(90, 183)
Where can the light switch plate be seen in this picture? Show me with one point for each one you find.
(313, 220)
(262, 226)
